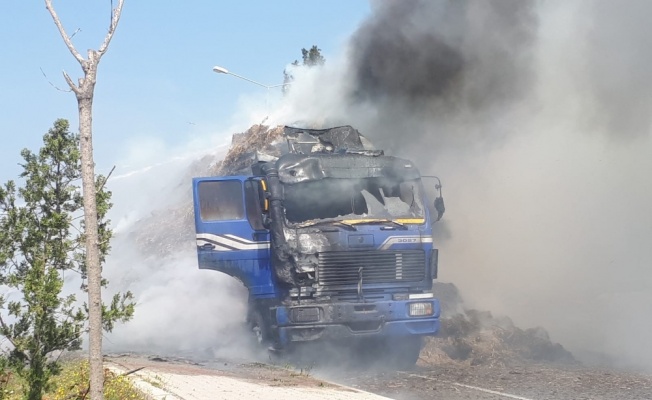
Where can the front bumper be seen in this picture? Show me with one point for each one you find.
(336, 321)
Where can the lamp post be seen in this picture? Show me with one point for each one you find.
(222, 70)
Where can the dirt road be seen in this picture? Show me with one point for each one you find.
(445, 381)
(524, 382)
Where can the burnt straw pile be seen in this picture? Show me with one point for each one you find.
(477, 337)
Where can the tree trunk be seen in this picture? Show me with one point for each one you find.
(84, 92)
(93, 268)
(36, 378)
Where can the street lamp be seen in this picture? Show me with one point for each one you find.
(222, 70)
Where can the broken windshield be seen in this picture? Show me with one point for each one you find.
(353, 199)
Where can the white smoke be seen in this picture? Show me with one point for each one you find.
(179, 308)
(547, 190)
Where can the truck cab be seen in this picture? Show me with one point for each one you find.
(333, 241)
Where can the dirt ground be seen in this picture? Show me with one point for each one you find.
(453, 380)
(255, 372)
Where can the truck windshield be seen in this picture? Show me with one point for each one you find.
(353, 199)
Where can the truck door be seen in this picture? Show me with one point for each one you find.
(229, 230)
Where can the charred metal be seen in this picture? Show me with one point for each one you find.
(326, 178)
(331, 237)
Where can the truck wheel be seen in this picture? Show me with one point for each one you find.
(405, 352)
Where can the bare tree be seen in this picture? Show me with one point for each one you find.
(84, 91)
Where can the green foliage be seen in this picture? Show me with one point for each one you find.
(6, 379)
(41, 242)
(311, 58)
(72, 384)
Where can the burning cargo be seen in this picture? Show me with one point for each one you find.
(331, 237)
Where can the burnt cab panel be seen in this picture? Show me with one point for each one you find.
(229, 230)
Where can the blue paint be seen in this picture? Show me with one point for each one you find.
(233, 246)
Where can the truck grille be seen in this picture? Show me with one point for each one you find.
(378, 266)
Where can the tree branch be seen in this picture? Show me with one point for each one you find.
(11, 339)
(72, 85)
(66, 345)
(62, 31)
(115, 18)
(106, 179)
(14, 263)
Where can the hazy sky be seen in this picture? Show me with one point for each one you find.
(156, 86)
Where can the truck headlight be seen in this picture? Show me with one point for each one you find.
(421, 309)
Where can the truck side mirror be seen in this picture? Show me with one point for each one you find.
(439, 207)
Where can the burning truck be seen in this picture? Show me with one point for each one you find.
(333, 240)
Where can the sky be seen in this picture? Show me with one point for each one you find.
(156, 89)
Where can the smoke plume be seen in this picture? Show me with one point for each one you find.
(421, 50)
(435, 61)
(180, 310)
(536, 115)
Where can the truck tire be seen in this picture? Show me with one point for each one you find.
(405, 352)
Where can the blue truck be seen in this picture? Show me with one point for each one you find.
(332, 239)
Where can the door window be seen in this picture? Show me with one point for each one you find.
(220, 201)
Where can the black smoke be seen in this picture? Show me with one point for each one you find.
(463, 53)
(536, 115)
